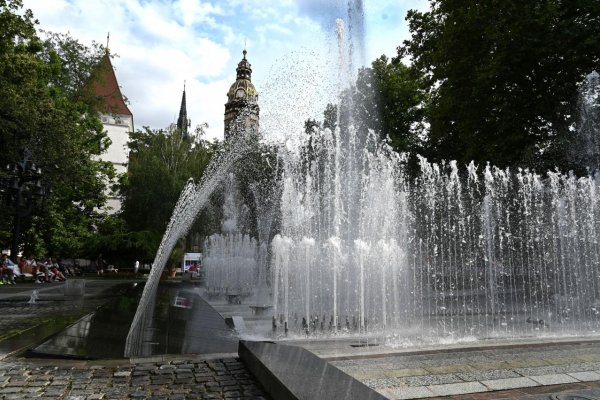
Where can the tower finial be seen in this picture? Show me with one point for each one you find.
(183, 122)
(107, 50)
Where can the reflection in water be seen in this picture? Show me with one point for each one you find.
(182, 323)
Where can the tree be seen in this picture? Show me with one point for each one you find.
(390, 99)
(584, 150)
(40, 111)
(160, 164)
(503, 75)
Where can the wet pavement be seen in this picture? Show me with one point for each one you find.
(547, 368)
(30, 312)
(182, 323)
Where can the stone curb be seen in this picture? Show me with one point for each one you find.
(289, 372)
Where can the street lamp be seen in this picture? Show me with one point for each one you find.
(21, 185)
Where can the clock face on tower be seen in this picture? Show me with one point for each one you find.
(240, 93)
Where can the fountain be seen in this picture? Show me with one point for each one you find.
(366, 247)
(230, 257)
(446, 253)
(192, 200)
(471, 253)
(34, 296)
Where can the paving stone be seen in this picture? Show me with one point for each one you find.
(487, 375)
(13, 382)
(450, 369)
(162, 381)
(163, 372)
(8, 390)
(142, 367)
(585, 376)
(13, 397)
(426, 380)
(509, 383)
(451, 389)
(59, 383)
(183, 370)
(407, 393)
(553, 379)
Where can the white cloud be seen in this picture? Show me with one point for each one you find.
(163, 43)
(195, 11)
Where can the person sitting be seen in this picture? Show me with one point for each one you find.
(8, 270)
(44, 274)
(7, 276)
(26, 270)
(54, 269)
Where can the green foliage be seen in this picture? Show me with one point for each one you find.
(18, 29)
(390, 99)
(503, 76)
(160, 164)
(120, 245)
(71, 62)
(39, 110)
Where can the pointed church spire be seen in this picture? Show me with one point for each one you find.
(182, 121)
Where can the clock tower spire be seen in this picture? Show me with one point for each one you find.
(241, 109)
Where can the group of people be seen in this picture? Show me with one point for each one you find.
(45, 271)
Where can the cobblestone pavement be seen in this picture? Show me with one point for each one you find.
(178, 379)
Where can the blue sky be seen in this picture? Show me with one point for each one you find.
(161, 43)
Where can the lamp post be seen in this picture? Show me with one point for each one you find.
(21, 186)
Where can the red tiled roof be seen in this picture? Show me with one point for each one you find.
(103, 86)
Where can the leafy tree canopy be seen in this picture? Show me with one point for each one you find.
(160, 164)
(503, 76)
(39, 110)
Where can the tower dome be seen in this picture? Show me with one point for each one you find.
(243, 89)
(241, 96)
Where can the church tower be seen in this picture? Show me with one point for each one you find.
(183, 123)
(105, 94)
(242, 98)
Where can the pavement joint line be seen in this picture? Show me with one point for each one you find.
(482, 347)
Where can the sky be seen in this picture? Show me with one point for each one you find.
(291, 44)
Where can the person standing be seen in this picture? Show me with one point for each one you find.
(100, 264)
